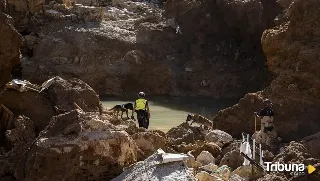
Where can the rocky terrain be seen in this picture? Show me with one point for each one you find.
(111, 44)
(93, 144)
(292, 52)
(9, 48)
(117, 47)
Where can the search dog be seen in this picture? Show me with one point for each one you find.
(200, 120)
(122, 108)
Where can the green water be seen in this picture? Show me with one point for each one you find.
(167, 112)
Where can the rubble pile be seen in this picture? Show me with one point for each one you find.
(293, 59)
(58, 98)
(83, 141)
(81, 146)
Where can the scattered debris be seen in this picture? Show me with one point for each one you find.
(156, 168)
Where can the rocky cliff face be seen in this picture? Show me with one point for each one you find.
(121, 47)
(292, 52)
(9, 48)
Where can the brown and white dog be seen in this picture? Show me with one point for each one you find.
(200, 120)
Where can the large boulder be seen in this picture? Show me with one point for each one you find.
(233, 159)
(239, 118)
(60, 97)
(205, 158)
(31, 104)
(79, 146)
(218, 136)
(212, 148)
(23, 12)
(149, 142)
(64, 93)
(186, 133)
(16, 137)
(292, 52)
(9, 48)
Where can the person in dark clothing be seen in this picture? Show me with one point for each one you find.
(266, 115)
(141, 107)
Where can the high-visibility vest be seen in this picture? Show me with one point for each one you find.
(141, 104)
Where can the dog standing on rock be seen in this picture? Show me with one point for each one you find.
(200, 120)
(122, 108)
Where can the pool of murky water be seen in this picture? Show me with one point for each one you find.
(167, 112)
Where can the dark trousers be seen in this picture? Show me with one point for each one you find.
(142, 118)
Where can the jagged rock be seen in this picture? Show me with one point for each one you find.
(218, 136)
(22, 11)
(233, 159)
(211, 167)
(130, 127)
(248, 173)
(149, 142)
(204, 176)
(88, 13)
(235, 145)
(76, 91)
(152, 168)
(141, 38)
(9, 48)
(161, 133)
(239, 118)
(192, 163)
(312, 143)
(290, 50)
(293, 153)
(18, 135)
(212, 148)
(61, 95)
(33, 105)
(21, 132)
(205, 158)
(185, 148)
(185, 133)
(267, 156)
(223, 172)
(80, 146)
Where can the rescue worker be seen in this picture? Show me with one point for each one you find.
(141, 107)
(266, 114)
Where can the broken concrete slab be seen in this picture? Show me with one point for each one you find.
(154, 169)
